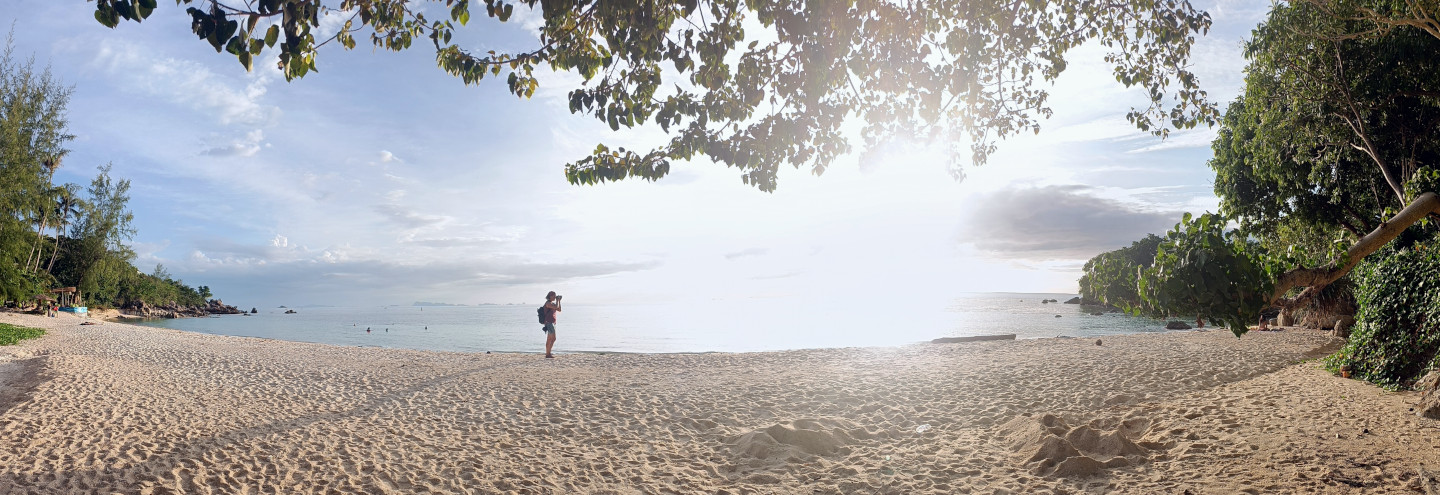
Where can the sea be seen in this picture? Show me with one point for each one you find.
(714, 326)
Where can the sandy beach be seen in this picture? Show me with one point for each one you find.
(116, 408)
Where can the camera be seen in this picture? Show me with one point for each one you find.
(558, 297)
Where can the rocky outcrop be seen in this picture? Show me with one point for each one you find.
(1343, 326)
(1429, 386)
(172, 310)
(289, 311)
(1177, 325)
(218, 307)
(1073, 300)
(1285, 319)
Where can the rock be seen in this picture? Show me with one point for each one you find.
(1429, 406)
(253, 311)
(1177, 325)
(1098, 343)
(1342, 327)
(218, 307)
(1285, 319)
(289, 311)
(1097, 313)
(1057, 316)
(1073, 300)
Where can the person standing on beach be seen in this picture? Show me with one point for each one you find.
(552, 306)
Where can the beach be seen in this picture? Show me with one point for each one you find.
(129, 409)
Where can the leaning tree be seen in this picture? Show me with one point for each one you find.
(1331, 150)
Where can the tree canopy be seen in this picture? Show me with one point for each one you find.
(1110, 277)
(56, 236)
(756, 84)
(1329, 155)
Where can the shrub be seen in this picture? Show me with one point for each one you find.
(1397, 331)
(11, 334)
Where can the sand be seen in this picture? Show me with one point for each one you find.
(116, 408)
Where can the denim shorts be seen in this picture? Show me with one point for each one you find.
(550, 328)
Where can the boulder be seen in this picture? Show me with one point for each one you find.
(1342, 327)
(1073, 300)
(218, 307)
(1429, 386)
(1177, 325)
(1285, 319)
(289, 311)
(253, 311)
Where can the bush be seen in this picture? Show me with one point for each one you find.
(1397, 331)
(11, 334)
(1204, 270)
(1109, 277)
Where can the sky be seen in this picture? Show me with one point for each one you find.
(382, 180)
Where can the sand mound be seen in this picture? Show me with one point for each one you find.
(809, 436)
(1050, 447)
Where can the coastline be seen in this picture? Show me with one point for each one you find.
(117, 407)
(726, 327)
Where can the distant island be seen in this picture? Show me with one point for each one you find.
(423, 303)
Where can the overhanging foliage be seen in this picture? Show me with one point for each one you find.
(957, 72)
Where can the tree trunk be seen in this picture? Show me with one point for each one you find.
(38, 250)
(59, 228)
(1315, 279)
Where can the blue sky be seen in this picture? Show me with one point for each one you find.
(382, 180)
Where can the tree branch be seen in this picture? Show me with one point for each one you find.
(1315, 279)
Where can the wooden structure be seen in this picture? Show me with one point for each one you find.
(975, 338)
(69, 296)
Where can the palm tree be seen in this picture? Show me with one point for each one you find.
(36, 252)
(67, 206)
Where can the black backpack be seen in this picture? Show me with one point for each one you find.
(541, 314)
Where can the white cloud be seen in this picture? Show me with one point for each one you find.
(245, 146)
(331, 21)
(189, 84)
(743, 253)
(1198, 138)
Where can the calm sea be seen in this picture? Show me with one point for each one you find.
(725, 326)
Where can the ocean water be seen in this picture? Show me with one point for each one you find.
(717, 326)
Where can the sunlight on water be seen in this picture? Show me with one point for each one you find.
(723, 326)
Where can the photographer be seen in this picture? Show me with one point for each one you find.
(552, 305)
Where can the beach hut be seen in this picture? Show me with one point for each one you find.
(69, 299)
